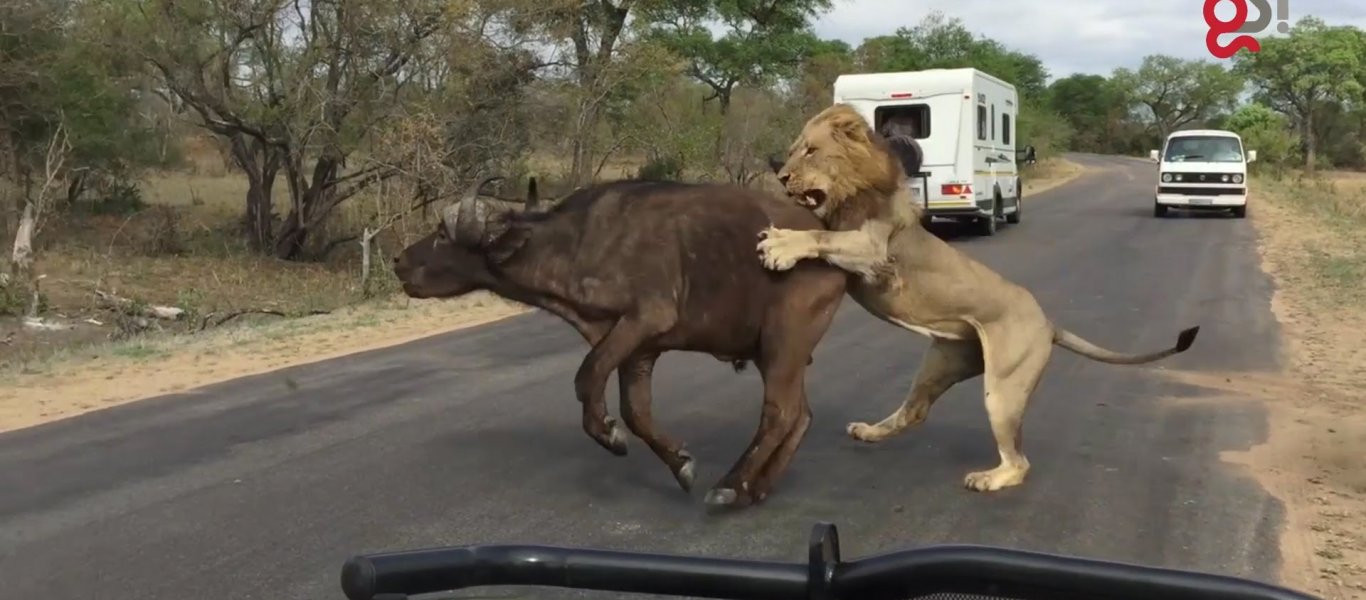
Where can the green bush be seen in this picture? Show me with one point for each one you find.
(664, 168)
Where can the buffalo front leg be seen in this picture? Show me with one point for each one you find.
(784, 352)
(634, 378)
(778, 416)
(782, 457)
(946, 363)
(590, 382)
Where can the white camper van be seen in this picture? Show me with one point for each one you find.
(1202, 169)
(964, 121)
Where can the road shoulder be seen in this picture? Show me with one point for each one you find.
(1310, 245)
(110, 374)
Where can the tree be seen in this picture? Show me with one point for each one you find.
(1095, 107)
(764, 40)
(1297, 74)
(295, 88)
(813, 87)
(67, 110)
(1175, 93)
(591, 33)
(939, 42)
(1265, 131)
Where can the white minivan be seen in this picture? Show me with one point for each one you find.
(964, 121)
(1202, 169)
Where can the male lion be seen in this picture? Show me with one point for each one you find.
(977, 320)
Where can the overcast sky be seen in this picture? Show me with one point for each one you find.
(1073, 36)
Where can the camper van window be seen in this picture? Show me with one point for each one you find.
(903, 119)
(993, 122)
(1005, 128)
(981, 122)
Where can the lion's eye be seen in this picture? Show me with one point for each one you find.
(810, 150)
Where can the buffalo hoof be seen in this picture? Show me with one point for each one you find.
(729, 498)
(721, 497)
(615, 439)
(686, 474)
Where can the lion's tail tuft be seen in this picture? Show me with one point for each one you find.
(1080, 345)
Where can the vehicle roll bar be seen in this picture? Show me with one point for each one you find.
(902, 575)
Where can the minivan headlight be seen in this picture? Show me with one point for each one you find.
(1237, 178)
(1166, 177)
(1224, 178)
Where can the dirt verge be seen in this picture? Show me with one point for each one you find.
(110, 374)
(1314, 460)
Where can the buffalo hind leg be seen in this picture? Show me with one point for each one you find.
(946, 363)
(1013, 370)
(634, 378)
(590, 382)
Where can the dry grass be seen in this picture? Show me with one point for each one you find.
(1313, 247)
(1049, 173)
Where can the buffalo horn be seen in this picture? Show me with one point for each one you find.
(469, 223)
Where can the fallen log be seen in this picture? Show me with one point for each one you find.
(126, 306)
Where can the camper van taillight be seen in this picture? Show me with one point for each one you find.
(957, 189)
(901, 94)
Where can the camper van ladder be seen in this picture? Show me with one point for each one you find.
(923, 186)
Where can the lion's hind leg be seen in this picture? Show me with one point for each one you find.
(946, 362)
(1013, 369)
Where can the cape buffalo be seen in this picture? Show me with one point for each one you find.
(644, 267)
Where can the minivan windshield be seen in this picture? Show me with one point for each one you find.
(1204, 148)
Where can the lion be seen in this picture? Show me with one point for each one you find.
(979, 323)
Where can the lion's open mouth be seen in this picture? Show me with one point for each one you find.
(811, 198)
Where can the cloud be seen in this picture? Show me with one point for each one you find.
(1071, 36)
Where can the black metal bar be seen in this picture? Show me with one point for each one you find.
(903, 575)
(423, 571)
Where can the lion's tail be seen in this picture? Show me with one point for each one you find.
(1076, 343)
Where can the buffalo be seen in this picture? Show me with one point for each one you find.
(639, 268)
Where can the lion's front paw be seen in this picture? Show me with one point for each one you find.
(780, 249)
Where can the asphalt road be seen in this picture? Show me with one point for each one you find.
(259, 488)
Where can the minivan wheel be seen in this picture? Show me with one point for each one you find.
(1240, 212)
(1159, 211)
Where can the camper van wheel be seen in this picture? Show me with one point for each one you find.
(1240, 212)
(1014, 217)
(1159, 211)
(987, 225)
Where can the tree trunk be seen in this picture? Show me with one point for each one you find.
(21, 258)
(261, 164)
(580, 170)
(312, 203)
(76, 187)
(1310, 158)
(366, 238)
